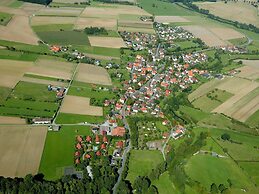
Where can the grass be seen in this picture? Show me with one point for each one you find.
(216, 98)
(187, 44)
(16, 4)
(141, 163)
(253, 120)
(5, 18)
(76, 118)
(157, 7)
(112, 52)
(40, 77)
(251, 168)
(238, 41)
(193, 114)
(59, 150)
(207, 170)
(4, 92)
(53, 27)
(64, 37)
(16, 55)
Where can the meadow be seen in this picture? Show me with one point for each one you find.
(141, 162)
(5, 18)
(65, 118)
(59, 150)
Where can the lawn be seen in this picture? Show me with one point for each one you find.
(141, 163)
(64, 37)
(5, 18)
(28, 100)
(157, 7)
(111, 52)
(65, 118)
(211, 100)
(187, 44)
(252, 168)
(208, 169)
(59, 150)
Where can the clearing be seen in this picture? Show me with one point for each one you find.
(80, 105)
(111, 42)
(93, 74)
(25, 146)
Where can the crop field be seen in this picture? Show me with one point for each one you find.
(111, 42)
(110, 24)
(52, 68)
(19, 30)
(59, 150)
(76, 118)
(63, 11)
(12, 71)
(29, 100)
(64, 37)
(253, 120)
(131, 29)
(93, 74)
(250, 70)
(242, 12)
(142, 162)
(25, 146)
(112, 11)
(43, 81)
(80, 105)
(5, 18)
(207, 170)
(4, 92)
(226, 33)
(11, 3)
(31, 8)
(11, 120)
(48, 20)
(135, 24)
(69, 1)
(170, 19)
(251, 168)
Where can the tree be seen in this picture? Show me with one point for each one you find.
(214, 188)
(225, 137)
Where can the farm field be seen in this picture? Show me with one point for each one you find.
(31, 8)
(69, 1)
(80, 105)
(208, 169)
(111, 42)
(238, 11)
(131, 29)
(76, 118)
(93, 74)
(62, 11)
(12, 71)
(250, 70)
(253, 119)
(170, 19)
(53, 27)
(43, 81)
(52, 67)
(251, 168)
(141, 163)
(135, 24)
(59, 150)
(19, 30)
(48, 20)
(108, 23)
(5, 18)
(25, 146)
(11, 120)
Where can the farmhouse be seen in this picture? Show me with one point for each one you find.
(39, 120)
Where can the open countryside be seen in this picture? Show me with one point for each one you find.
(129, 96)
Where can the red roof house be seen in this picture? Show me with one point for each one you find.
(118, 131)
(119, 144)
(78, 146)
(88, 139)
(98, 153)
(97, 139)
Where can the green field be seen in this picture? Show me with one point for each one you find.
(157, 7)
(64, 37)
(252, 168)
(53, 27)
(4, 92)
(16, 55)
(208, 169)
(211, 100)
(141, 163)
(76, 118)
(253, 120)
(193, 114)
(29, 100)
(5, 18)
(111, 52)
(187, 44)
(59, 150)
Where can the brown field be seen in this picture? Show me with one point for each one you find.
(109, 24)
(42, 81)
(6, 2)
(63, 11)
(45, 20)
(170, 19)
(11, 120)
(112, 11)
(242, 12)
(110, 42)
(19, 30)
(226, 33)
(21, 148)
(52, 68)
(69, 1)
(143, 30)
(206, 35)
(80, 105)
(250, 70)
(135, 24)
(11, 72)
(93, 74)
(100, 57)
(13, 11)
(31, 8)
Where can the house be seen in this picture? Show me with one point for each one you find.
(98, 153)
(97, 139)
(165, 135)
(89, 171)
(78, 146)
(103, 146)
(79, 138)
(87, 156)
(105, 139)
(54, 128)
(118, 131)
(88, 139)
(119, 144)
(39, 120)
